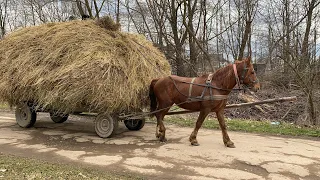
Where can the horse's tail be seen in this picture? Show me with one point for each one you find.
(152, 96)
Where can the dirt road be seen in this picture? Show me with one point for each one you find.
(255, 156)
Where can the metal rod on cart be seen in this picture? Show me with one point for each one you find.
(293, 98)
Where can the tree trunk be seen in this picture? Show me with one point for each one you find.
(3, 17)
(287, 39)
(88, 8)
(305, 61)
(311, 108)
(179, 61)
(245, 39)
(305, 43)
(178, 41)
(81, 11)
(270, 49)
(192, 44)
(96, 8)
(118, 12)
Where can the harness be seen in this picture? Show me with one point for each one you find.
(208, 87)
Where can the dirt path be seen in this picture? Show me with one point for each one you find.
(255, 156)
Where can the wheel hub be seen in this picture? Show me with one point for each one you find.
(24, 116)
(133, 123)
(105, 125)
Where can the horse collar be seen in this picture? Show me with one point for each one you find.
(236, 75)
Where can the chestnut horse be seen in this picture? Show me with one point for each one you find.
(206, 94)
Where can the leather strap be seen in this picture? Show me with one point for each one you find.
(212, 97)
(190, 86)
(236, 75)
(216, 97)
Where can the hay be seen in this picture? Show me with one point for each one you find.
(107, 23)
(78, 65)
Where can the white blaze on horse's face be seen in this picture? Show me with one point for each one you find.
(251, 79)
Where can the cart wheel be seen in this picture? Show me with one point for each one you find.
(134, 124)
(58, 117)
(25, 115)
(106, 125)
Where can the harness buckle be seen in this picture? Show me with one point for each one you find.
(209, 79)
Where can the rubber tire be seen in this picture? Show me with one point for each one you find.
(106, 125)
(25, 116)
(135, 124)
(58, 118)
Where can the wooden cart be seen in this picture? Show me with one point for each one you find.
(105, 124)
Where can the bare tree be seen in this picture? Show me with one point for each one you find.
(250, 7)
(3, 17)
(296, 48)
(91, 7)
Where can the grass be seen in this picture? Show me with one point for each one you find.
(4, 106)
(250, 126)
(12, 167)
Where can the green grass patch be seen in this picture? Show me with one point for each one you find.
(4, 105)
(12, 167)
(250, 126)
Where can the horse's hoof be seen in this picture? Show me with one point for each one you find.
(163, 139)
(230, 144)
(195, 144)
(157, 135)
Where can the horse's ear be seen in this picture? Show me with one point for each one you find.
(248, 60)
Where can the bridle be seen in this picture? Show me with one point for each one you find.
(242, 77)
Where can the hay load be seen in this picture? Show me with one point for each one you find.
(78, 64)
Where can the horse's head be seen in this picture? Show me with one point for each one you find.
(248, 76)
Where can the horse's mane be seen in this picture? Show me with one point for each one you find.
(223, 73)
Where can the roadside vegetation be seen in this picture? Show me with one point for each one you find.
(4, 106)
(12, 167)
(251, 126)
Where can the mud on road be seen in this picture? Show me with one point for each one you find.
(255, 156)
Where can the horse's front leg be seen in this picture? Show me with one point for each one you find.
(226, 140)
(193, 137)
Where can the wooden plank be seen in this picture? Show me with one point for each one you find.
(293, 98)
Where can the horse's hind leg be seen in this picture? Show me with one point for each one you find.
(226, 140)
(193, 137)
(160, 115)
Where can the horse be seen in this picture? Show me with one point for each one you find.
(206, 94)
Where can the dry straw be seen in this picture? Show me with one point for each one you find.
(78, 65)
